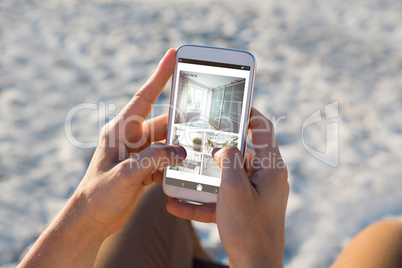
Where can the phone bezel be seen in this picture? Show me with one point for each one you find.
(214, 54)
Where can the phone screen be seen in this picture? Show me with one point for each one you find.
(209, 112)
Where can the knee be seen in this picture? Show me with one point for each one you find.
(386, 232)
(386, 226)
(378, 245)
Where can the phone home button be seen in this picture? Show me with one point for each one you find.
(199, 187)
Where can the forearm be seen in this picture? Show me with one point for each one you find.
(71, 240)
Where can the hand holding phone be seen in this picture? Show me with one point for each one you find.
(114, 181)
(209, 108)
(251, 205)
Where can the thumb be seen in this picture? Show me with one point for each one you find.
(234, 177)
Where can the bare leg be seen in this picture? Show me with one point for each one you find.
(151, 238)
(378, 245)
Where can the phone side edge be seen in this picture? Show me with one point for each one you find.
(170, 117)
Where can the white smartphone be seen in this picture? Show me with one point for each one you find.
(210, 104)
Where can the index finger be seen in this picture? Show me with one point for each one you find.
(142, 102)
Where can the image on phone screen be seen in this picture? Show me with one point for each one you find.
(208, 113)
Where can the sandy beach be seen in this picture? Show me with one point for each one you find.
(55, 55)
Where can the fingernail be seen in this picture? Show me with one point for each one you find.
(181, 152)
(214, 151)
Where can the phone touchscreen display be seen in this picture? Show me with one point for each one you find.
(209, 112)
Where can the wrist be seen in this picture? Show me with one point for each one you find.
(256, 261)
(77, 216)
(76, 228)
(263, 255)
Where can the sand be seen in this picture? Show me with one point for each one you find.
(55, 55)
